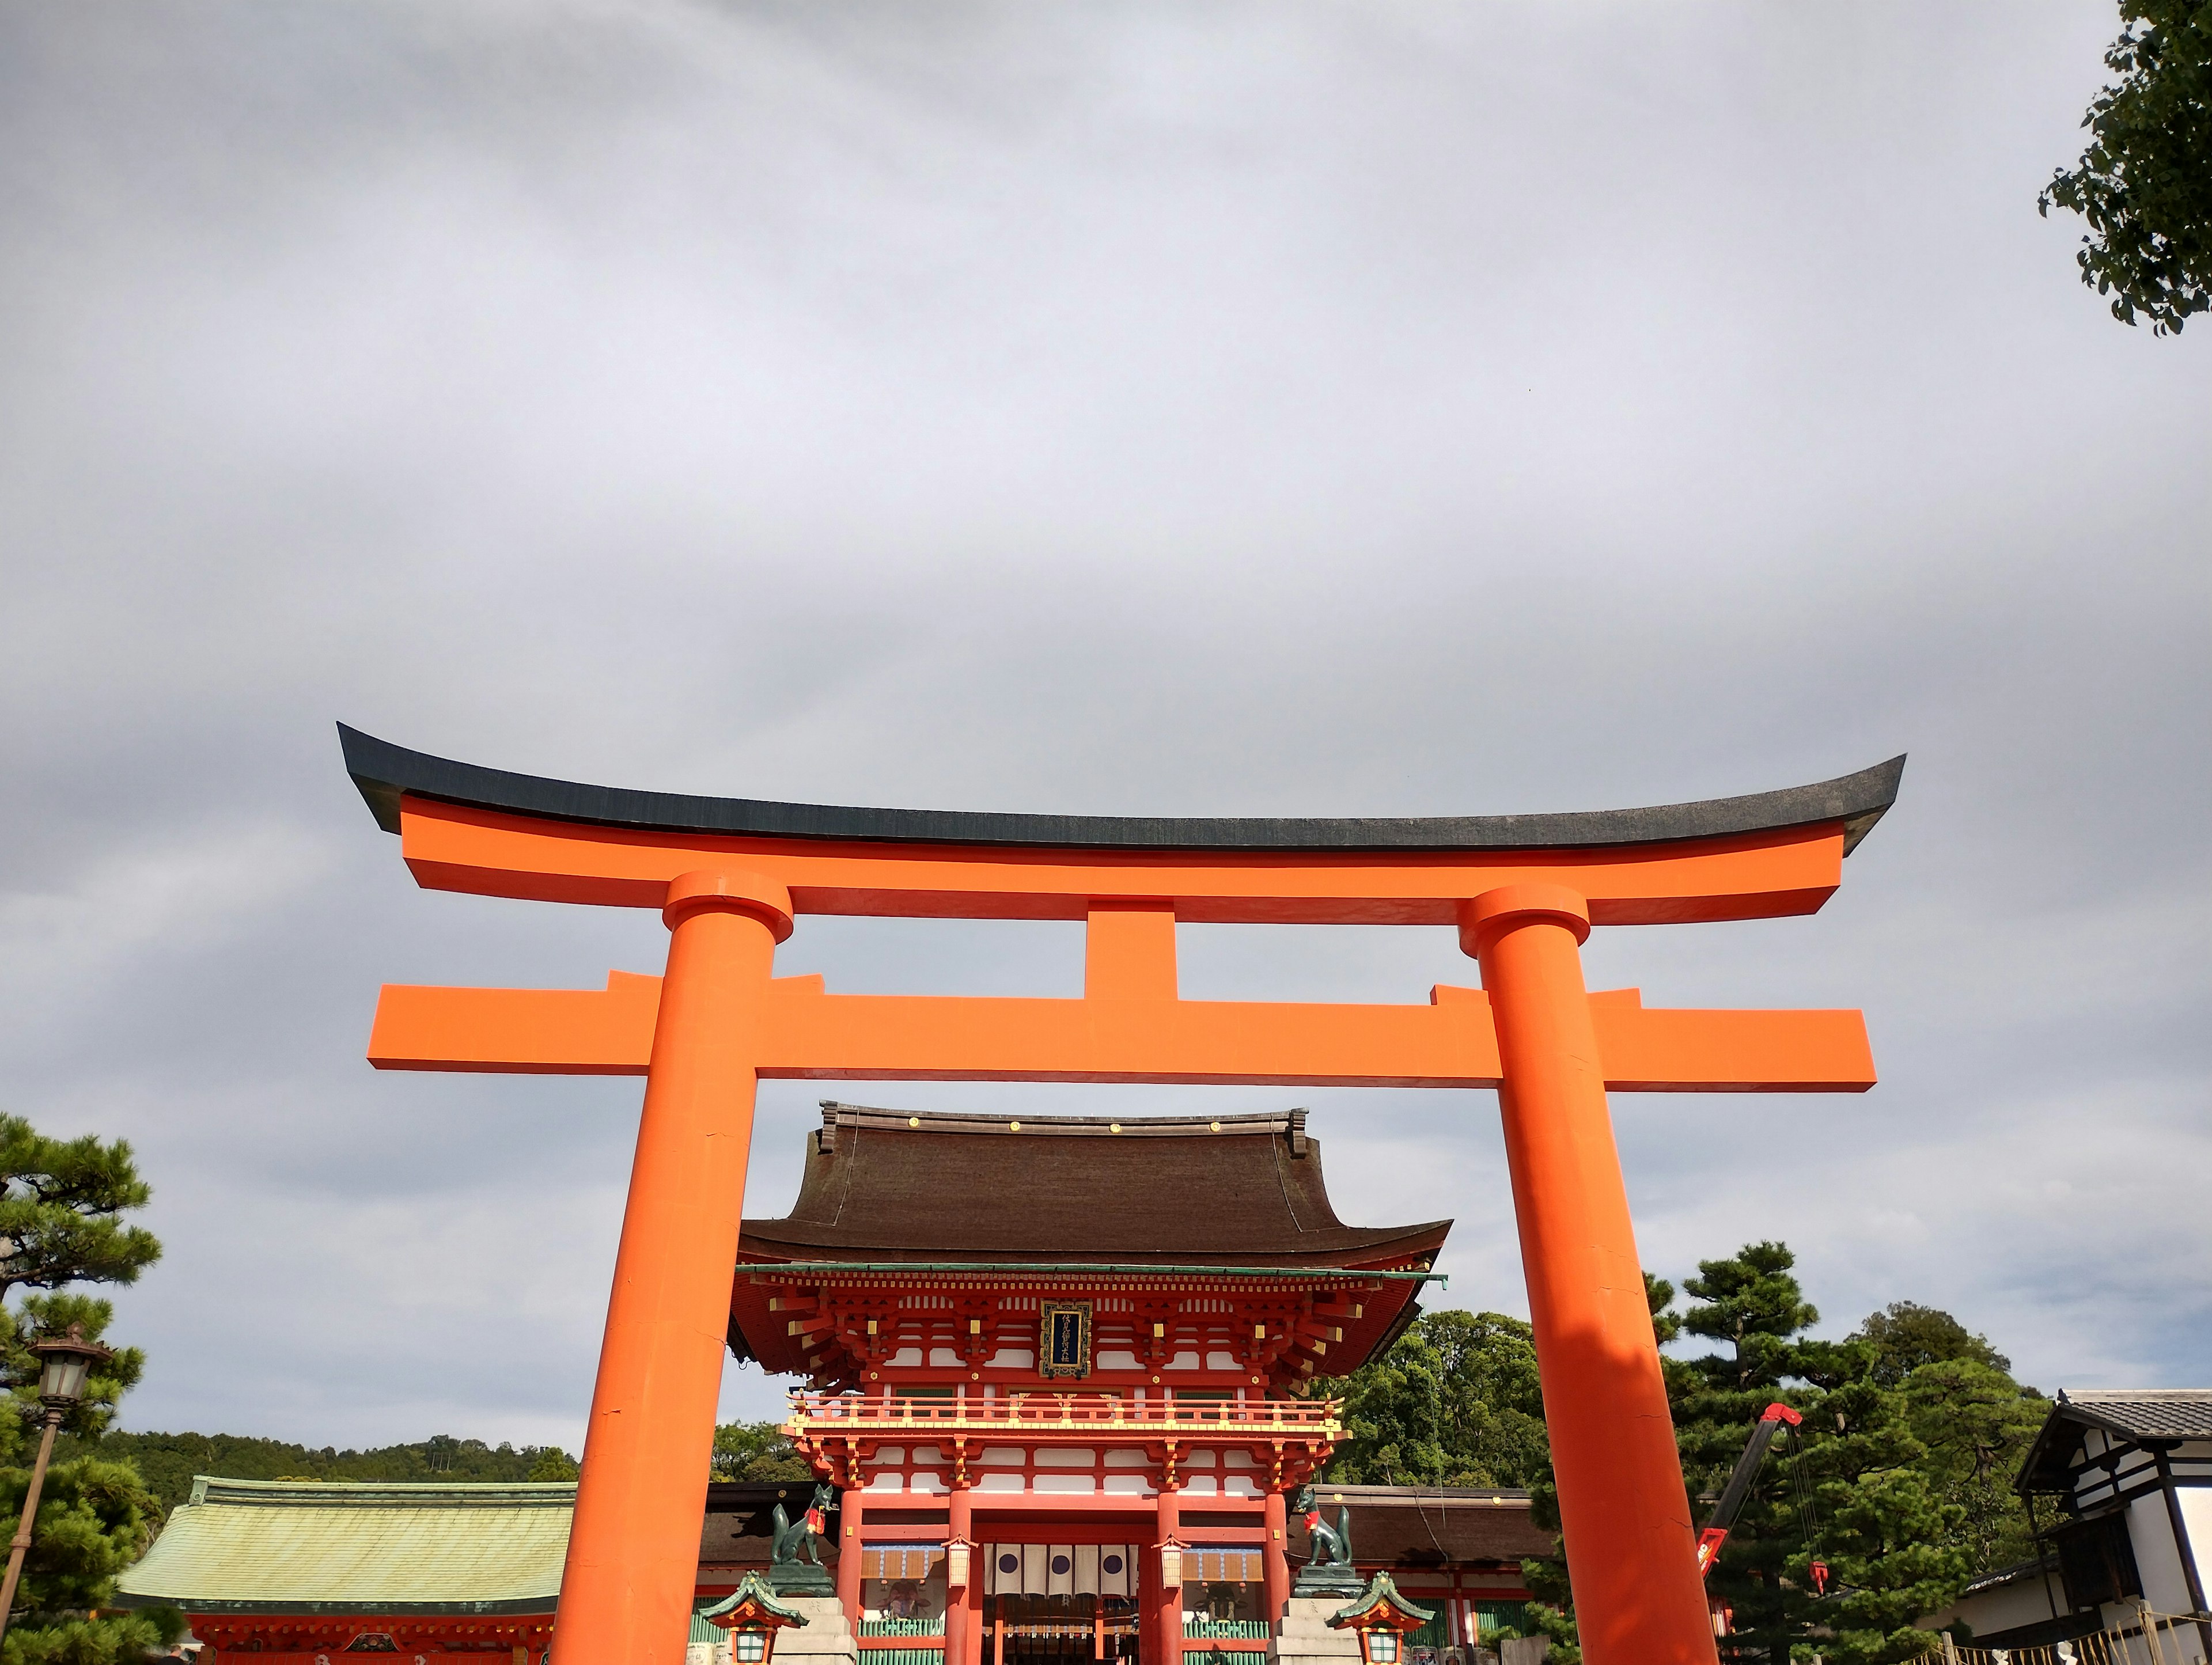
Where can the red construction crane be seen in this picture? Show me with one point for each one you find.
(1770, 1423)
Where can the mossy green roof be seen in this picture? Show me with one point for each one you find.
(1382, 1592)
(312, 1546)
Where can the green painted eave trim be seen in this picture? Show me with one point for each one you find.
(544, 1604)
(221, 1492)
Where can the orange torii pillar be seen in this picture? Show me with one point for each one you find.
(1605, 1401)
(652, 1431)
(729, 874)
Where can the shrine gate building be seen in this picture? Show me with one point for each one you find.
(1069, 1343)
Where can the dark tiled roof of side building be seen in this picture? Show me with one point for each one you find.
(2134, 1414)
(2144, 1413)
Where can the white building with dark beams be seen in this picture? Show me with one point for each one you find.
(2131, 1472)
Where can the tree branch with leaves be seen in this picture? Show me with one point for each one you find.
(2144, 184)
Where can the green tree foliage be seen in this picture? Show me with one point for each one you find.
(1898, 1480)
(61, 1204)
(1750, 1303)
(2144, 184)
(1454, 1401)
(1894, 1545)
(168, 1462)
(756, 1451)
(1905, 1335)
(1976, 1423)
(1855, 1493)
(552, 1463)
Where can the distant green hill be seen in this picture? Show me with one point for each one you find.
(168, 1462)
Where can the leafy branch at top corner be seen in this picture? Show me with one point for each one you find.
(2144, 184)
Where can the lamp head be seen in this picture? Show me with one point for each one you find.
(1383, 1619)
(752, 1615)
(64, 1361)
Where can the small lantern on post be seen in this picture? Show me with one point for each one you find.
(1383, 1618)
(959, 1555)
(752, 1615)
(64, 1362)
(1171, 1565)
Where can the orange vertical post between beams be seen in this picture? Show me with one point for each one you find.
(961, 1636)
(1129, 951)
(1167, 1615)
(633, 1559)
(1630, 1549)
(852, 1528)
(1274, 1556)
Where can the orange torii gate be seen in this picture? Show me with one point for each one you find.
(729, 875)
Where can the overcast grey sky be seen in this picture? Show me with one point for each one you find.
(1231, 408)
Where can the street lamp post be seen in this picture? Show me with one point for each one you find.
(64, 1361)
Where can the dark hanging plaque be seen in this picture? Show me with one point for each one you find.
(1064, 1341)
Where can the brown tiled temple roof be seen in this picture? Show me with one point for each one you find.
(1228, 1191)
(739, 1527)
(1407, 1526)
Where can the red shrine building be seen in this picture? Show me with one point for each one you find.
(1053, 1369)
(1041, 1350)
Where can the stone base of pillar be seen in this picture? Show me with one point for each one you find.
(826, 1636)
(790, 1578)
(1327, 1580)
(1302, 1636)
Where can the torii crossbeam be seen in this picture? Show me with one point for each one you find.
(729, 877)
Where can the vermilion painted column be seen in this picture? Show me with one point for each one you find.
(850, 1527)
(959, 1608)
(1632, 1552)
(633, 1549)
(1274, 1556)
(1166, 1614)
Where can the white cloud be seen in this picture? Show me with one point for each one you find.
(1320, 410)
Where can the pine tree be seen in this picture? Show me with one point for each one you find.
(1978, 1423)
(61, 1201)
(1898, 1480)
(1857, 1493)
(61, 1208)
(1894, 1547)
(1750, 1303)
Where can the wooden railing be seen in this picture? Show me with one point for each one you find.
(1047, 1411)
(2155, 1639)
(889, 1641)
(1225, 1630)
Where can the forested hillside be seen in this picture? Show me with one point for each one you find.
(168, 1462)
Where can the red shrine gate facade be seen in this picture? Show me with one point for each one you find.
(1066, 1344)
(731, 876)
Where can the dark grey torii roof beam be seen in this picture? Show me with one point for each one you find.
(384, 772)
